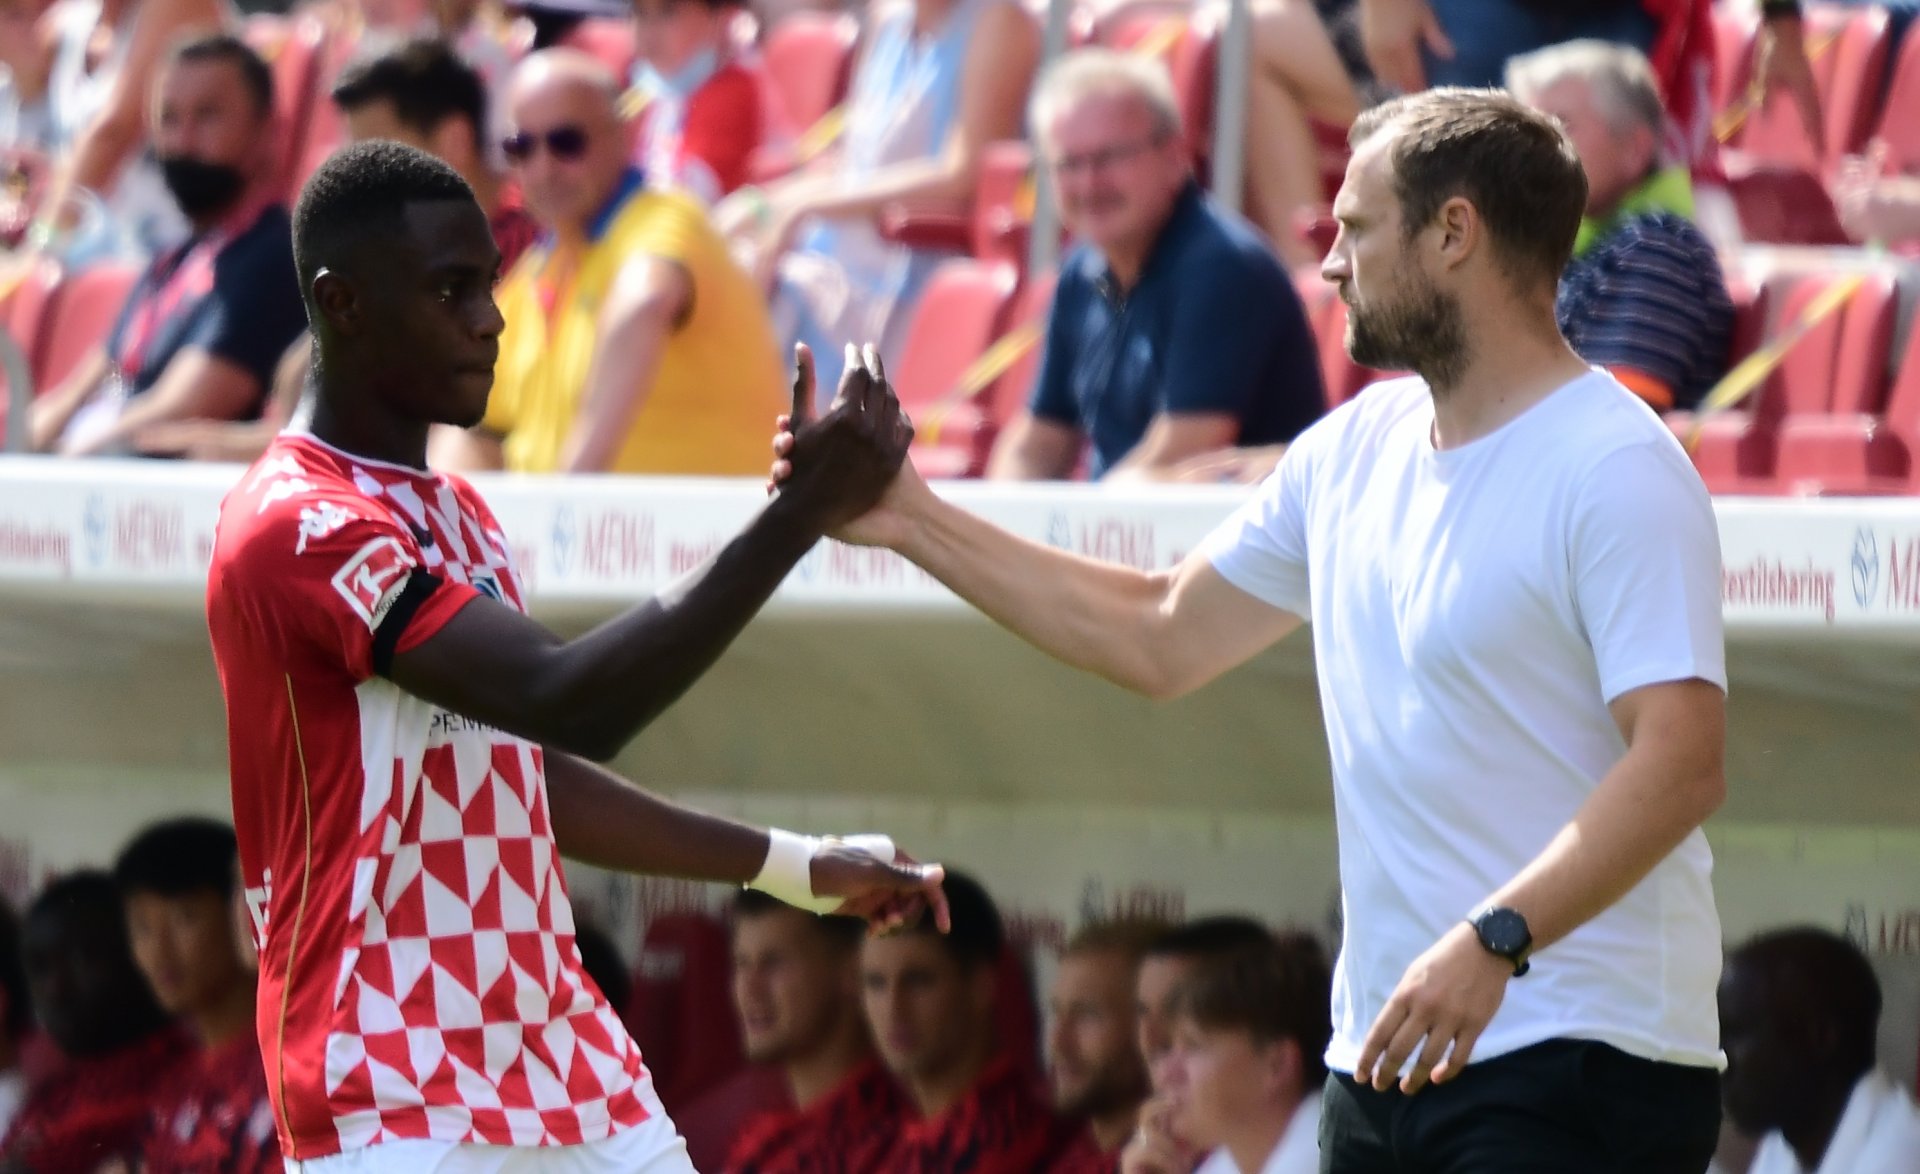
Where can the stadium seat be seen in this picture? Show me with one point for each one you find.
(85, 308)
(1733, 33)
(809, 59)
(1782, 204)
(1850, 63)
(1011, 393)
(608, 40)
(958, 317)
(293, 49)
(1899, 129)
(1863, 446)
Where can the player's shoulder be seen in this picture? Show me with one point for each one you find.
(1377, 408)
(296, 495)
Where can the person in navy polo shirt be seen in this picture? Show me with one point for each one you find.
(202, 329)
(1174, 329)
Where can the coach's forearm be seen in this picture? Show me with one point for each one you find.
(1092, 615)
(1650, 801)
(602, 819)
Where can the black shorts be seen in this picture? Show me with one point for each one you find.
(1560, 1107)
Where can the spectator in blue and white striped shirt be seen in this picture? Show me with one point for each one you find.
(1644, 296)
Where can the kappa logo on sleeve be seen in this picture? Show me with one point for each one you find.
(373, 578)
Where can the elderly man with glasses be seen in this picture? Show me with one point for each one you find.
(1174, 330)
(633, 342)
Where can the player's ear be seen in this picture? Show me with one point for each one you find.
(337, 301)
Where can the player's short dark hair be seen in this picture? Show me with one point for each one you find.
(601, 959)
(978, 937)
(1209, 937)
(1515, 165)
(358, 198)
(1280, 989)
(254, 72)
(1821, 976)
(81, 894)
(178, 857)
(13, 977)
(1129, 937)
(844, 933)
(425, 82)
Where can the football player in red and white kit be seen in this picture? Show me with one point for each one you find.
(411, 753)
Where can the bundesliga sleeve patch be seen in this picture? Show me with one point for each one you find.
(373, 578)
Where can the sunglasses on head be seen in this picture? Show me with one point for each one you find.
(565, 143)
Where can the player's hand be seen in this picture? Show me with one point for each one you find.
(878, 520)
(1446, 999)
(887, 895)
(1784, 66)
(1392, 33)
(1153, 1148)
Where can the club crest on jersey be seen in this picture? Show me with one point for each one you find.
(488, 586)
(373, 578)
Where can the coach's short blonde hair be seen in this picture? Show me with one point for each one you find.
(1619, 77)
(1085, 73)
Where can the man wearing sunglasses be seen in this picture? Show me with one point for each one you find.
(633, 342)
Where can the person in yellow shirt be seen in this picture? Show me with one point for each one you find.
(633, 343)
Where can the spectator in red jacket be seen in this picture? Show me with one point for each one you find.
(705, 108)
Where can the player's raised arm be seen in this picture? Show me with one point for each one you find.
(591, 695)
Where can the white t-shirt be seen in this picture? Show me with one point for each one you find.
(1475, 610)
(1878, 1134)
(1299, 1148)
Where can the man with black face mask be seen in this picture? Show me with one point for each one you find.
(202, 329)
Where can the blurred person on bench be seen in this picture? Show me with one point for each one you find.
(935, 83)
(706, 108)
(118, 1051)
(425, 95)
(1799, 1019)
(1094, 1063)
(1250, 1032)
(634, 343)
(1174, 329)
(973, 1107)
(176, 882)
(796, 986)
(204, 326)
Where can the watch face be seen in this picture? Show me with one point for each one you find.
(1504, 932)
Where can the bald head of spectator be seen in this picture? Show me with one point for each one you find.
(1607, 98)
(796, 985)
(1108, 126)
(1171, 959)
(569, 145)
(1093, 1040)
(1799, 1013)
(85, 986)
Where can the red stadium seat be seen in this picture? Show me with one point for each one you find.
(25, 317)
(293, 49)
(681, 1009)
(1733, 33)
(84, 309)
(958, 317)
(1848, 74)
(1003, 203)
(1899, 129)
(608, 40)
(1015, 387)
(1779, 204)
(1862, 446)
(809, 59)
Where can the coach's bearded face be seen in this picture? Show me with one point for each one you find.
(1414, 326)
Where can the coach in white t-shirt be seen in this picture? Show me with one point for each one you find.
(1514, 577)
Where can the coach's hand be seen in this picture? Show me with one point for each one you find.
(839, 465)
(882, 521)
(886, 895)
(1446, 999)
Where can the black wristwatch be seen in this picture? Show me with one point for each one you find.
(1504, 934)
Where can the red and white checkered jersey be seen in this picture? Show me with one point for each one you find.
(418, 973)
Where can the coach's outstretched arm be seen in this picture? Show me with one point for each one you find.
(591, 695)
(1162, 634)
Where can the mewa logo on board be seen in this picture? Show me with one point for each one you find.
(1885, 570)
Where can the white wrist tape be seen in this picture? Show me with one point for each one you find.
(787, 873)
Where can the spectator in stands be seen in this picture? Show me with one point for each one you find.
(930, 1000)
(421, 94)
(119, 1049)
(1799, 1015)
(1093, 1043)
(705, 110)
(204, 326)
(937, 81)
(100, 93)
(633, 342)
(1876, 208)
(1174, 330)
(1250, 1032)
(1171, 960)
(1644, 296)
(796, 983)
(16, 1018)
(176, 881)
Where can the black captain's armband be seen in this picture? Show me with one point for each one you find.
(420, 588)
